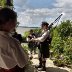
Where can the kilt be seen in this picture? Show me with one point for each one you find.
(44, 50)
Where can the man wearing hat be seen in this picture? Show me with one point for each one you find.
(44, 40)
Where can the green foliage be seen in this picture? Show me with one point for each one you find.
(65, 29)
(68, 50)
(58, 62)
(26, 34)
(57, 43)
(3, 3)
(25, 48)
(36, 31)
(62, 42)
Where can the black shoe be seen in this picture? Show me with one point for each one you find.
(38, 66)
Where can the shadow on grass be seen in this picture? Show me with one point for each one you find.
(51, 69)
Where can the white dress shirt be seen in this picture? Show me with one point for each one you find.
(11, 52)
(43, 37)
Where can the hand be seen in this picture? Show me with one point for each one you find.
(33, 39)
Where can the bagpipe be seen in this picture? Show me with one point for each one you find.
(50, 26)
(56, 20)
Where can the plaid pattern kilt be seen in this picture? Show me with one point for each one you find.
(44, 51)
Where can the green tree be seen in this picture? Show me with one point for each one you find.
(65, 29)
(3, 3)
(57, 43)
(62, 42)
(68, 51)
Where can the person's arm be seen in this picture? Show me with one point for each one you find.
(42, 38)
(27, 39)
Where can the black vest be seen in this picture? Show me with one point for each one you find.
(31, 43)
(46, 42)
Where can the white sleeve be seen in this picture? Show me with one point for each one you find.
(43, 37)
(27, 39)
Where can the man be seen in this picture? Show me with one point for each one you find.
(44, 45)
(31, 44)
(12, 56)
(17, 36)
